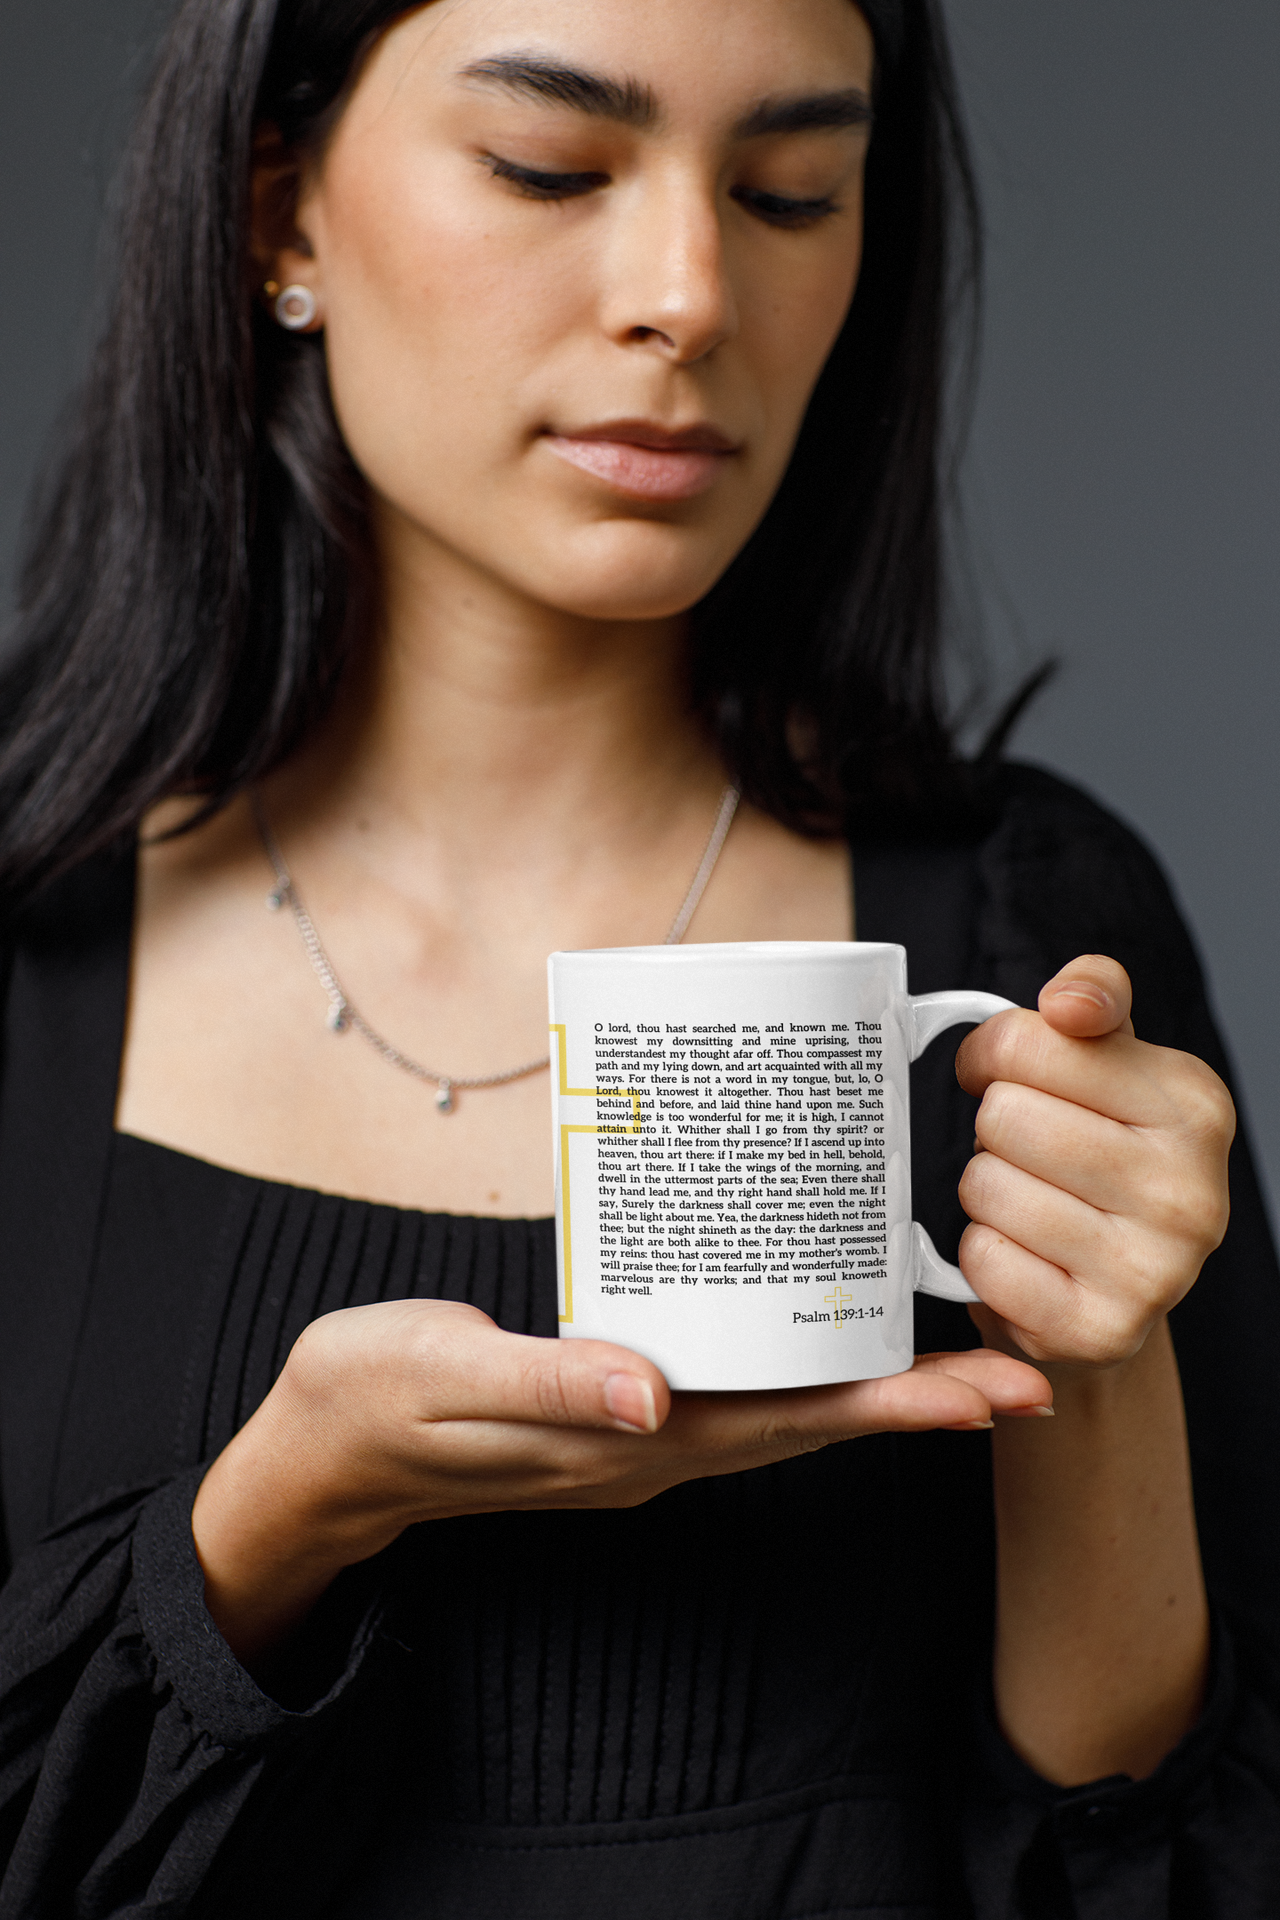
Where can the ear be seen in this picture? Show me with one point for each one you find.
(281, 254)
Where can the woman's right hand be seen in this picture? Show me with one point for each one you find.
(416, 1410)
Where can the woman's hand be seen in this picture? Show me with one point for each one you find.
(418, 1410)
(1100, 1184)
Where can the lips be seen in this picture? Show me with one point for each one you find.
(647, 461)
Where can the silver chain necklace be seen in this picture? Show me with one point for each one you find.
(343, 1015)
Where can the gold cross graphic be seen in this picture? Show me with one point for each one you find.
(613, 1126)
(838, 1299)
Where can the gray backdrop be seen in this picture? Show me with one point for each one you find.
(1123, 482)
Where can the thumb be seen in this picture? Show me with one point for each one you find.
(1091, 996)
(465, 1368)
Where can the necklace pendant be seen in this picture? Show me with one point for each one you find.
(276, 897)
(444, 1097)
(338, 1019)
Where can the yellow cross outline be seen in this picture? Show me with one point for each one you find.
(612, 1093)
(838, 1300)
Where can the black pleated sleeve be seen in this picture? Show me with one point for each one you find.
(130, 1737)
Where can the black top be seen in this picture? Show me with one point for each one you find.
(759, 1697)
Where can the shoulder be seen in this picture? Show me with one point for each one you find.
(1059, 875)
(88, 906)
(1018, 875)
(1046, 833)
(1065, 862)
(64, 961)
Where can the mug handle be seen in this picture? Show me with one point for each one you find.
(929, 1014)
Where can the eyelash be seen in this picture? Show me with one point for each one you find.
(778, 211)
(545, 186)
(773, 208)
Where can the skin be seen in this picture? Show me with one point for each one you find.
(513, 766)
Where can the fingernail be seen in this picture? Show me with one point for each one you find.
(1081, 990)
(630, 1403)
(1042, 1413)
(974, 1426)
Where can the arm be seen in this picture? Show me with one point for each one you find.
(1099, 1189)
(1102, 1639)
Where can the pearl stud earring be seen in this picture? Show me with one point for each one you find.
(295, 308)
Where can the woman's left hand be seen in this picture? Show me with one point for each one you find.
(1100, 1182)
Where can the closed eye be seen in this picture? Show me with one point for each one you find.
(781, 211)
(536, 185)
(778, 210)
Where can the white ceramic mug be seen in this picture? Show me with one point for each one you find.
(733, 1157)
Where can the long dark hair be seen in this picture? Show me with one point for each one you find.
(197, 568)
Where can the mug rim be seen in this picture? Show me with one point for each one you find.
(738, 950)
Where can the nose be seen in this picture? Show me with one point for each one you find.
(668, 289)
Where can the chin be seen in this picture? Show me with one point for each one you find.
(615, 604)
(636, 572)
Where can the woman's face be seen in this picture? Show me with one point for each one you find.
(580, 263)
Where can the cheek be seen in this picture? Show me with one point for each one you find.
(437, 325)
(791, 318)
(795, 327)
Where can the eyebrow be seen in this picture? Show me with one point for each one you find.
(625, 101)
(632, 104)
(807, 113)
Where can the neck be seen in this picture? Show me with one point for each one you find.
(476, 714)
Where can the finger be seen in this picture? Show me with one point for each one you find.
(1091, 996)
(492, 1464)
(714, 1433)
(1024, 1394)
(1084, 1241)
(1152, 1178)
(1124, 1272)
(1115, 1075)
(463, 1367)
(1101, 1161)
(1045, 1159)
(924, 1400)
(1010, 1385)
(939, 1390)
(1047, 1313)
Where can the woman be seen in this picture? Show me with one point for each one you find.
(517, 423)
